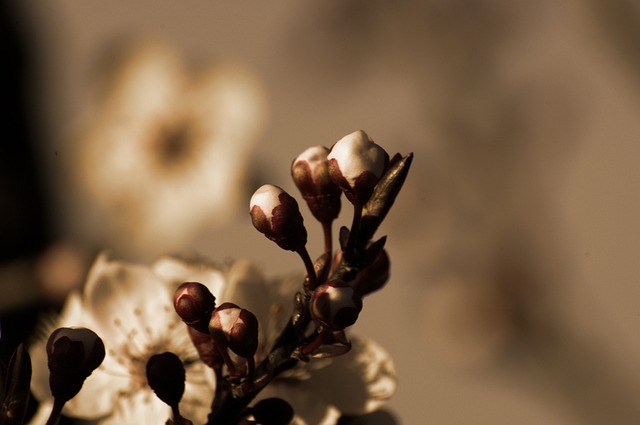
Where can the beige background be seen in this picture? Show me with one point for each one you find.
(514, 296)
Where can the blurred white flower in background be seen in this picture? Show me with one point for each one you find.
(167, 154)
(130, 306)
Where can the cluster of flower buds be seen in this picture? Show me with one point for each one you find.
(216, 329)
(335, 283)
(331, 296)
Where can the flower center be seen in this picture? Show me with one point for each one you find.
(173, 144)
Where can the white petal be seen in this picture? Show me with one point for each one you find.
(174, 271)
(198, 394)
(358, 382)
(142, 407)
(99, 395)
(130, 303)
(42, 414)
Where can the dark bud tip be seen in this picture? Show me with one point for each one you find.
(166, 376)
(194, 303)
(73, 354)
(273, 411)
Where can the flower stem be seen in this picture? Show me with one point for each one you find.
(328, 238)
(308, 265)
(54, 417)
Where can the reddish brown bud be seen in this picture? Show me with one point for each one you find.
(335, 305)
(236, 328)
(73, 354)
(310, 172)
(194, 303)
(275, 213)
(166, 376)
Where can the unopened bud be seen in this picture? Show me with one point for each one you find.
(273, 411)
(356, 164)
(235, 328)
(73, 354)
(336, 305)
(310, 172)
(166, 376)
(276, 214)
(194, 303)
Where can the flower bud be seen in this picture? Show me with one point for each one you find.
(73, 354)
(374, 276)
(166, 376)
(356, 164)
(310, 172)
(194, 303)
(273, 411)
(335, 305)
(276, 214)
(235, 328)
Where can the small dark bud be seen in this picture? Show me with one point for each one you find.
(73, 354)
(273, 411)
(356, 164)
(236, 328)
(335, 305)
(310, 172)
(194, 303)
(275, 213)
(166, 376)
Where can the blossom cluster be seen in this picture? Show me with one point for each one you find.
(200, 343)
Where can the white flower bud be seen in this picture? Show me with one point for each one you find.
(356, 164)
(275, 213)
(235, 328)
(335, 305)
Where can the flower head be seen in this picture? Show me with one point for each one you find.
(129, 307)
(167, 153)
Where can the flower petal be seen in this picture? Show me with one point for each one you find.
(198, 394)
(358, 382)
(130, 303)
(99, 395)
(141, 407)
(174, 271)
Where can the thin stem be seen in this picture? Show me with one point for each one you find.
(328, 238)
(251, 369)
(308, 264)
(54, 417)
(227, 359)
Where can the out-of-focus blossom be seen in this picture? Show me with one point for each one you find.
(167, 152)
(130, 307)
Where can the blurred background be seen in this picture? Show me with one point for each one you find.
(144, 127)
